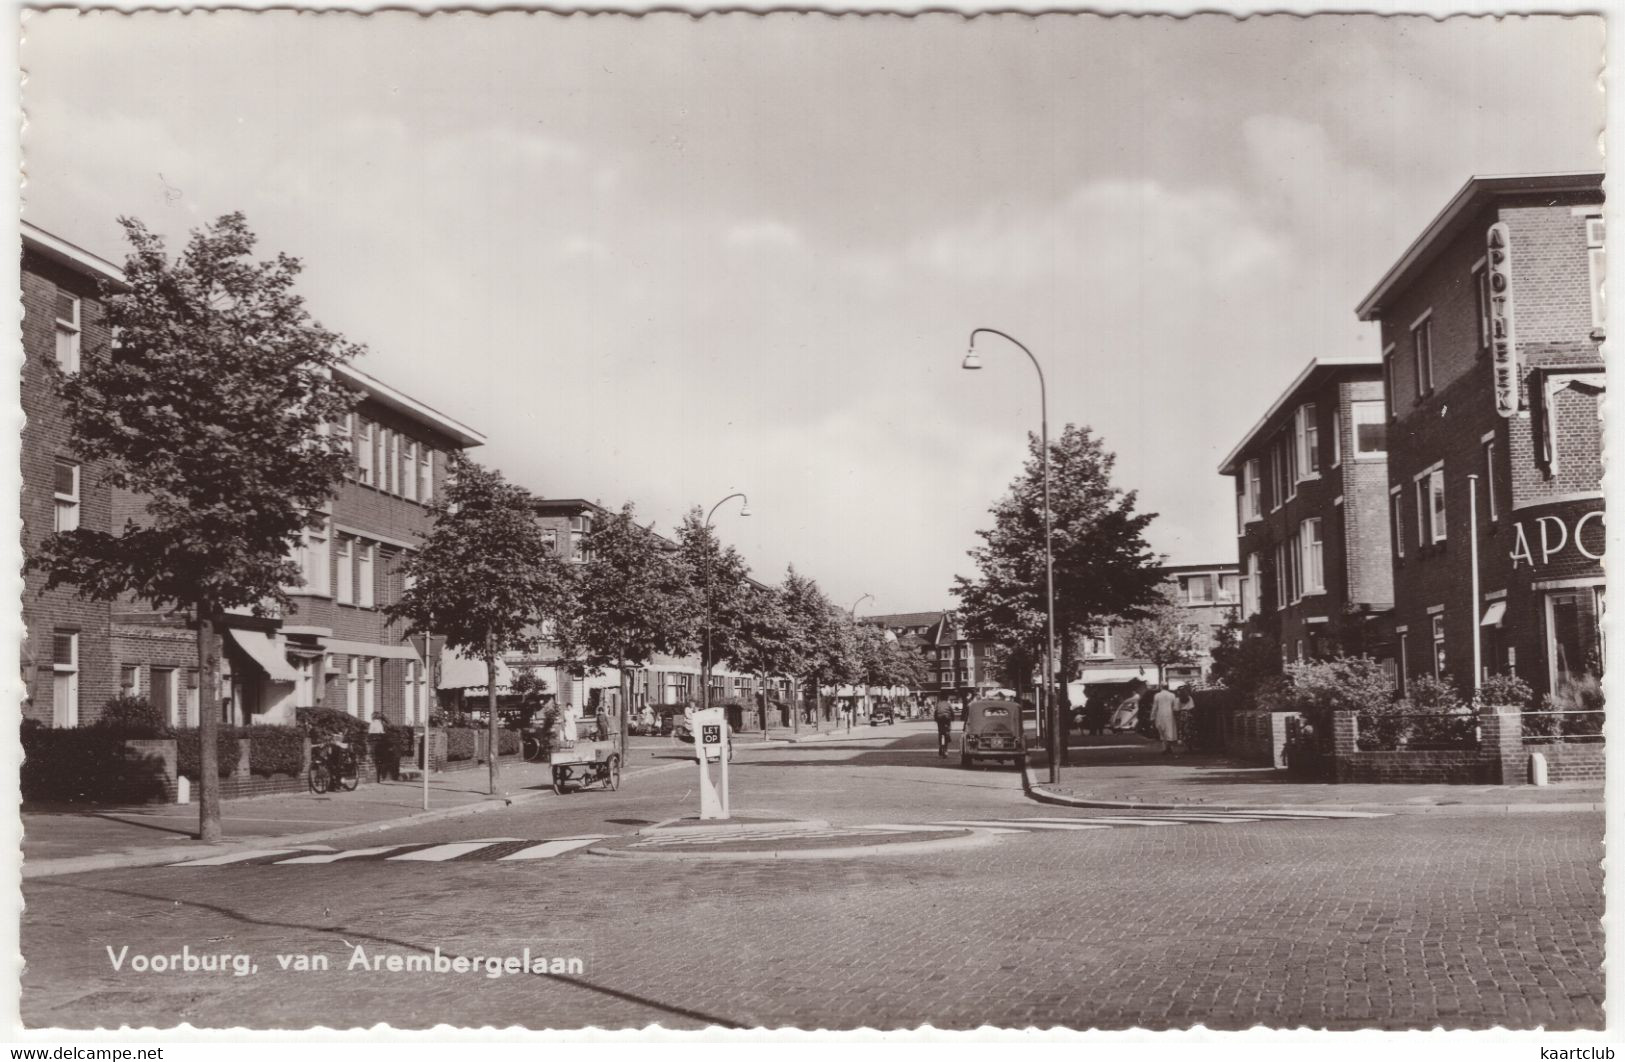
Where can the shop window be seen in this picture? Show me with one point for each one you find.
(1573, 637)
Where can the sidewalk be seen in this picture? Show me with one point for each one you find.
(64, 839)
(859, 732)
(1128, 771)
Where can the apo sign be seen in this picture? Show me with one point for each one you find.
(1503, 344)
(1554, 533)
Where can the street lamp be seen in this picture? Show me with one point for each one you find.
(705, 677)
(1051, 709)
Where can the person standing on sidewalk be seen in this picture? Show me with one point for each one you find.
(1162, 717)
(378, 741)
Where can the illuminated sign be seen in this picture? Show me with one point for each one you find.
(1503, 344)
(1553, 533)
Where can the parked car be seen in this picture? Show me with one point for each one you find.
(992, 732)
(882, 714)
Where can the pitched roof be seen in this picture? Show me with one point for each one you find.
(905, 619)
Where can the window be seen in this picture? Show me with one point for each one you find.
(1306, 438)
(1229, 588)
(129, 680)
(395, 484)
(1396, 506)
(1255, 490)
(1439, 669)
(162, 694)
(412, 688)
(1198, 589)
(1370, 430)
(1436, 493)
(345, 588)
(67, 332)
(1422, 352)
(1098, 644)
(1337, 437)
(1284, 593)
(1277, 479)
(388, 451)
(65, 678)
(1481, 304)
(365, 585)
(426, 475)
(1404, 661)
(1489, 479)
(352, 686)
(1294, 550)
(312, 557)
(364, 445)
(369, 687)
(1314, 573)
(1598, 262)
(1249, 587)
(1430, 526)
(409, 480)
(67, 496)
(1290, 458)
(1390, 381)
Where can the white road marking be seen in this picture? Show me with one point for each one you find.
(440, 852)
(334, 857)
(243, 857)
(549, 849)
(1012, 826)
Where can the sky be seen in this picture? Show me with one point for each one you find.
(663, 259)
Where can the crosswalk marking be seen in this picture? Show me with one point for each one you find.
(240, 857)
(549, 849)
(440, 852)
(1025, 824)
(334, 857)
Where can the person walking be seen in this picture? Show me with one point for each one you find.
(378, 742)
(1162, 718)
(945, 726)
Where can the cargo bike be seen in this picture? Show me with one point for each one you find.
(583, 763)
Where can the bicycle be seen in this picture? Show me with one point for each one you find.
(332, 767)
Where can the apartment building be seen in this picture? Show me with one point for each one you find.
(1492, 323)
(1311, 486)
(1210, 595)
(958, 667)
(67, 667)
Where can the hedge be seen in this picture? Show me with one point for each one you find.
(459, 743)
(275, 750)
(508, 743)
(83, 763)
(187, 746)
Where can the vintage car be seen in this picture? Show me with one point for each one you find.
(992, 732)
(882, 714)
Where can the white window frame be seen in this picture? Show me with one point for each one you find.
(1218, 588)
(1436, 505)
(69, 333)
(1249, 587)
(1189, 581)
(1360, 453)
(315, 560)
(1597, 267)
(344, 577)
(66, 517)
(1255, 489)
(426, 474)
(171, 705)
(1337, 437)
(352, 686)
(1289, 447)
(369, 687)
(396, 486)
(364, 451)
(1306, 443)
(409, 481)
(65, 681)
(366, 574)
(1277, 477)
(1437, 623)
(1422, 353)
(1396, 520)
(1314, 556)
(409, 683)
(1390, 389)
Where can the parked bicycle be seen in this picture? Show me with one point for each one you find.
(333, 766)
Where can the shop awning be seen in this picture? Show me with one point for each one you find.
(266, 651)
(1493, 614)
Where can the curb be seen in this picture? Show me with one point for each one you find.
(50, 868)
(1041, 794)
(972, 839)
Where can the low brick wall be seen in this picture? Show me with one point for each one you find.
(1449, 766)
(1257, 737)
(1501, 758)
(1568, 761)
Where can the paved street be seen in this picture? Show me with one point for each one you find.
(1070, 917)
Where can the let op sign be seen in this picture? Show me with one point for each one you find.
(1503, 344)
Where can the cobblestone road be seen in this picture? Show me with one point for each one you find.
(1460, 921)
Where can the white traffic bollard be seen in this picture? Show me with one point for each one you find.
(1537, 768)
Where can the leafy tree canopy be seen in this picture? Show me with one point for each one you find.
(634, 597)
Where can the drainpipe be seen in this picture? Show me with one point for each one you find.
(1472, 553)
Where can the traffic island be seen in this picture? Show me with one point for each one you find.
(766, 838)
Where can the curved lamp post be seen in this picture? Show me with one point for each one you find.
(705, 679)
(1052, 715)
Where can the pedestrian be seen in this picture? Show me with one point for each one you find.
(1162, 717)
(601, 724)
(1185, 714)
(648, 718)
(945, 725)
(378, 741)
(567, 722)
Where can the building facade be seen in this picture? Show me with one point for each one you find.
(1209, 594)
(958, 667)
(67, 665)
(1311, 485)
(1492, 323)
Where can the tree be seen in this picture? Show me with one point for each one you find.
(812, 634)
(1243, 658)
(1162, 635)
(719, 579)
(634, 601)
(485, 579)
(215, 406)
(763, 641)
(1103, 567)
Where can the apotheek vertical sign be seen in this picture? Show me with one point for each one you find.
(1503, 345)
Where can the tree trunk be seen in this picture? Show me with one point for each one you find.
(795, 705)
(208, 729)
(626, 704)
(1065, 692)
(491, 719)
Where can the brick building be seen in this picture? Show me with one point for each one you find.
(1210, 595)
(1491, 324)
(1311, 514)
(958, 667)
(67, 667)
(334, 647)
